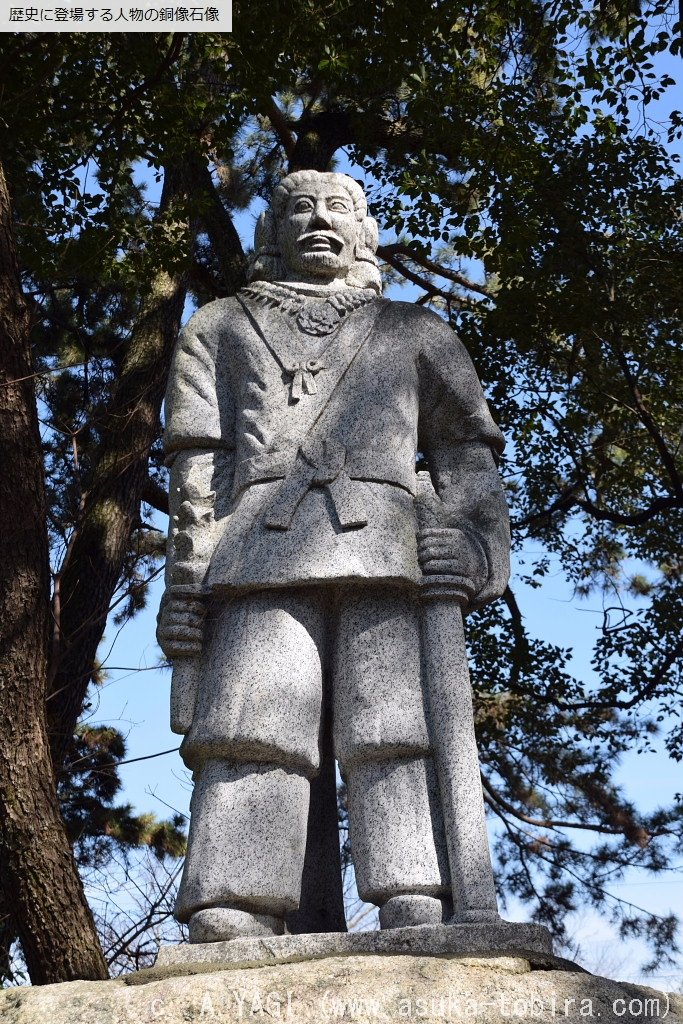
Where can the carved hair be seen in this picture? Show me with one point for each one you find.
(266, 262)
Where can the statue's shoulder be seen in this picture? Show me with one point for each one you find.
(423, 326)
(415, 315)
(196, 362)
(212, 318)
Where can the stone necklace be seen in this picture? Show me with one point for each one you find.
(315, 311)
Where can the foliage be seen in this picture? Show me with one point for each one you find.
(99, 828)
(521, 160)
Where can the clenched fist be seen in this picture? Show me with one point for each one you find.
(448, 551)
(180, 625)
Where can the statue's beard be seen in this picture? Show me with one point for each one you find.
(322, 262)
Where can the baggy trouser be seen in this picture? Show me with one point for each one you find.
(254, 744)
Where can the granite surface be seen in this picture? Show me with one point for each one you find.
(367, 989)
(243, 851)
(497, 937)
(312, 577)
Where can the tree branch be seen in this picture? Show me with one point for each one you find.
(521, 647)
(116, 764)
(318, 137)
(551, 823)
(155, 495)
(218, 224)
(643, 693)
(634, 519)
(397, 249)
(432, 291)
(281, 128)
(167, 61)
(648, 422)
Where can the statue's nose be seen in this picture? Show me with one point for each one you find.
(321, 215)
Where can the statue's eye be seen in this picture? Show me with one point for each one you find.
(303, 206)
(338, 206)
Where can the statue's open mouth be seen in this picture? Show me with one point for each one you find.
(322, 242)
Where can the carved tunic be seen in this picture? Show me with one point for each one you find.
(314, 466)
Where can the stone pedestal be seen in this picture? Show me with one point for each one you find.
(490, 939)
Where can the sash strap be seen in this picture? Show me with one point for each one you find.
(358, 466)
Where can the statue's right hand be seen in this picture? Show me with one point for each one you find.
(180, 625)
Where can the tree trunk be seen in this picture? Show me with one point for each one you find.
(219, 227)
(93, 570)
(318, 137)
(111, 511)
(41, 887)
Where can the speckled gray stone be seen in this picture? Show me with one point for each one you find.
(368, 989)
(455, 750)
(499, 938)
(411, 911)
(250, 856)
(402, 848)
(216, 924)
(293, 418)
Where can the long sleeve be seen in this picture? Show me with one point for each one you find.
(461, 443)
(198, 441)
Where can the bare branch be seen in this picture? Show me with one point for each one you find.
(457, 300)
(386, 252)
(115, 764)
(565, 500)
(493, 796)
(569, 499)
(636, 518)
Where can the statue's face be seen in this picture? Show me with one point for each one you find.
(318, 233)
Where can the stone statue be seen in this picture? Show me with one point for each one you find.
(316, 583)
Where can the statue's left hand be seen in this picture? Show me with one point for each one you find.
(449, 551)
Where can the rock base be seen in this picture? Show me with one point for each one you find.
(364, 989)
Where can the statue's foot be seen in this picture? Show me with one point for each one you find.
(411, 910)
(216, 924)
